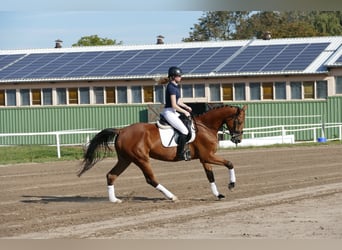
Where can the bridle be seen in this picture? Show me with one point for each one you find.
(234, 134)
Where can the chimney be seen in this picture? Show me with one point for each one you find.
(58, 43)
(160, 39)
(266, 35)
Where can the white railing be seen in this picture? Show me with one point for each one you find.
(56, 134)
(282, 130)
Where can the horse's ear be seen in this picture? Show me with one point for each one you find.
(244, 107)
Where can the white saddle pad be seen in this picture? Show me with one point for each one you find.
(168, 136)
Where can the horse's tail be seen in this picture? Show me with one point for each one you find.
(100, 140)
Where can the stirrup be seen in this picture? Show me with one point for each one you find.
(186, 156)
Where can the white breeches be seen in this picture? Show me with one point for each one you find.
(173, 118)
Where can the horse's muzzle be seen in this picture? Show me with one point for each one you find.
(236, 137)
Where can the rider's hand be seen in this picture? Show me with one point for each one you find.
(187, 114)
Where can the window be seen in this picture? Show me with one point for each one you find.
(199, 90)
(254, 88)
(84, 96)
(36, 97)
(122, 94)
(136, 94)
(296, 90)
(215, 92)
(159, 93)
(2, 97)
(339, 85)
(61, 96)
(148, 93)
(73, 95)
(322, 89)
(240, 91)
(227, 90)
(98, 95)
(280, 90)
(110, 95)
(267, 91)
(25, 97)
(187, 91)
(11, 96)
(47, 96)
(309, 90)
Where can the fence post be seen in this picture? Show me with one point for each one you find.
(58, 146)
(283, 134)
(340, 133)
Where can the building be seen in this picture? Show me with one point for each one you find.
(298, 80)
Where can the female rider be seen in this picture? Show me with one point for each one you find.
(173, 107)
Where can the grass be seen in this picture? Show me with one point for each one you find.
(34, 153)
(38, 154)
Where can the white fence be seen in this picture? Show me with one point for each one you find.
(284, 134)
(259, 133)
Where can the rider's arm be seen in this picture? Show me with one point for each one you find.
(178, 107)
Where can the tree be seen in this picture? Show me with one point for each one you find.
(226, 25)
(216, 25)
(95, 40)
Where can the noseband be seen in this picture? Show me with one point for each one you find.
(232, 130)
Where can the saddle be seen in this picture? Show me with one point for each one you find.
(169, 135)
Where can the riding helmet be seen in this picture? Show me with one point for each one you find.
(174, 71)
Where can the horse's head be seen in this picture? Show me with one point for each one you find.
(235, 123)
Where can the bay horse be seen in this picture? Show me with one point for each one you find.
(138, 142)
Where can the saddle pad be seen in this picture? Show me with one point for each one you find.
(168, 136)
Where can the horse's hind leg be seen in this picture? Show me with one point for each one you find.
(120, 166)
(151, 179)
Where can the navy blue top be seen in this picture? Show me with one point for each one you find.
(171, 89)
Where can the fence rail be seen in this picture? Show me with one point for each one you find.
(282, 130)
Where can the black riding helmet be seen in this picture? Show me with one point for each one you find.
(174, 71)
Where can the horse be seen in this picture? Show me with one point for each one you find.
(139, 142)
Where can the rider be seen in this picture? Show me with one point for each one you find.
(174, 106)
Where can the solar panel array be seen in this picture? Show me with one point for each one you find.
(144, 62)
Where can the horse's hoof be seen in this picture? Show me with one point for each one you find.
(231, 186)
(116, 201)
(220, 196)
(175, 199)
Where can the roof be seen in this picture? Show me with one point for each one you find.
(198, 59)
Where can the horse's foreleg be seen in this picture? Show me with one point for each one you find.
(120, 166)
(221, 161)
(232, 178)
(210, 175)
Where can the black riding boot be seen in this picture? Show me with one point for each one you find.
(181, 154)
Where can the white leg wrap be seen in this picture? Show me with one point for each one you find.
(111, 194)
(214, 189)
(166, 192)
(232, 175)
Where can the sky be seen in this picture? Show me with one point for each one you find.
(40, 29)
(26, 24)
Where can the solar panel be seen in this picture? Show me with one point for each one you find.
(339, 60)
(242, 59)
(306, 56)
(128, 67)
(216, 56)
(103, 63)
(20, 68)
(281, 61)
(63, 64)
(8, 59)
(157, 60)
(261, 59)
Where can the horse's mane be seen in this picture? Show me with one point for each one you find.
(217, 107)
